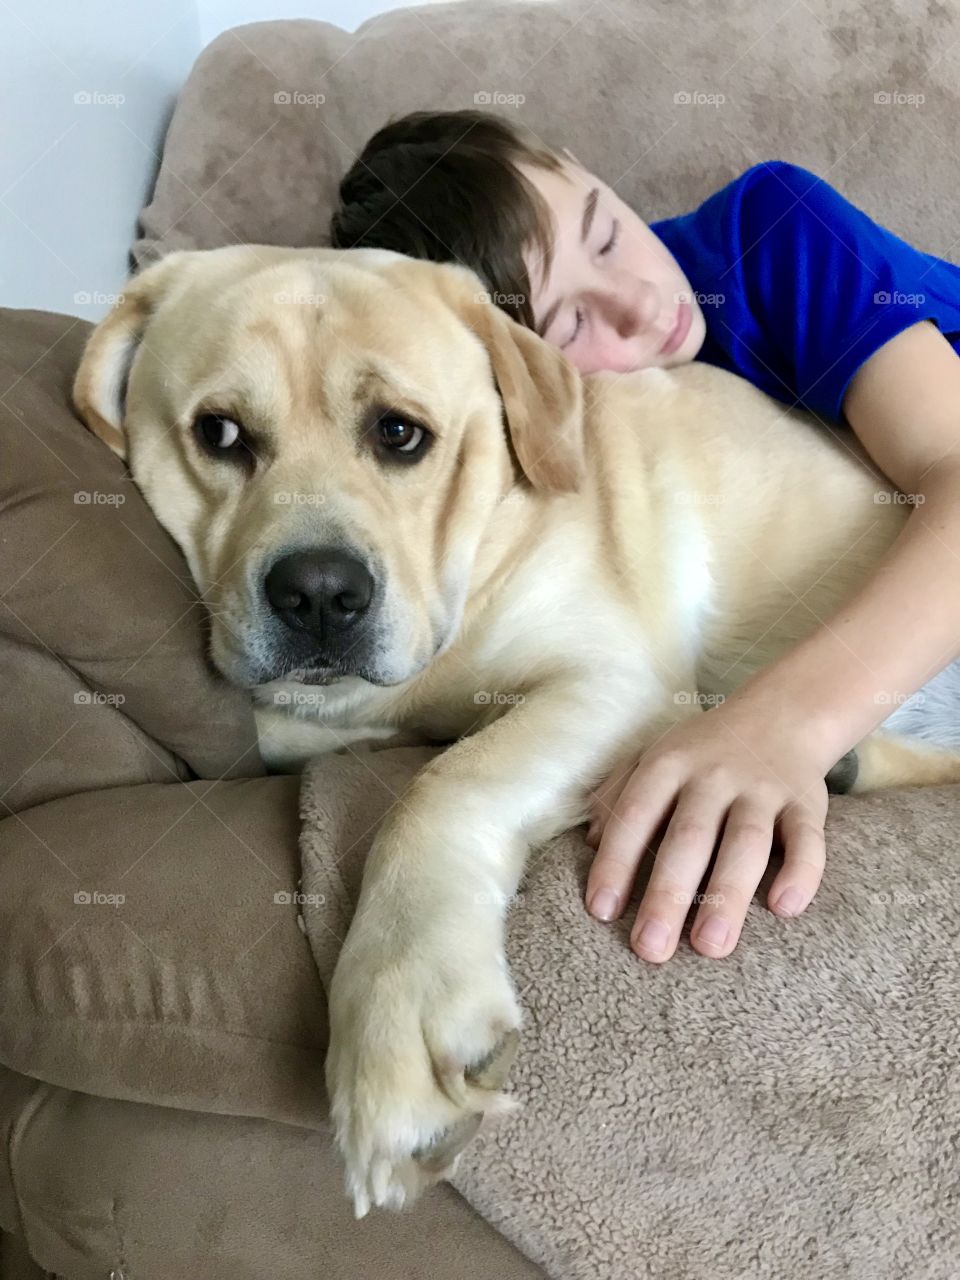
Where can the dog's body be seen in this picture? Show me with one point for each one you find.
(552, 601)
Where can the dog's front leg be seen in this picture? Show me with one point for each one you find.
(423, 1015)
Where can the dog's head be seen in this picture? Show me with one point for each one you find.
(326, 435)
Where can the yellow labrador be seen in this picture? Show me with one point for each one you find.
(406, 512)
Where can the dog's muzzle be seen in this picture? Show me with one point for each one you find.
(322, 596)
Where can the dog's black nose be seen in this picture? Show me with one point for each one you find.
(325, 591)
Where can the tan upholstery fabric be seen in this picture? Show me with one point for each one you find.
(789, 1112)
(102, 661)
(797, 82)
(122, 1189)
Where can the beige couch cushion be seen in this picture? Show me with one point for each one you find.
(102, 657)
(252, 155)
(788, 1113)
(154, 1193)
(145, 956)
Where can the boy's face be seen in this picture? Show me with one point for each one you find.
(615, 297)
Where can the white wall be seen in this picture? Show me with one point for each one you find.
(86, 88)
(86, 91)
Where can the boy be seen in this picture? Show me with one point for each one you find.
(778, 278)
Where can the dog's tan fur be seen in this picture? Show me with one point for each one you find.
(554, 595)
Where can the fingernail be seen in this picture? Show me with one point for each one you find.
(714, 932)
(604, 904)
(654, 936)
(790, 902)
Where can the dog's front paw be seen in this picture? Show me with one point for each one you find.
(420, 1048)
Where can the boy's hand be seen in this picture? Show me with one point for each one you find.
(723, 764)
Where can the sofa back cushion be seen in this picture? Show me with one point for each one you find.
(666, 102)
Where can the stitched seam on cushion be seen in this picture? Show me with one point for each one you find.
(40, 1094)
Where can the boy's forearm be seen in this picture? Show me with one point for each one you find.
(900, 629)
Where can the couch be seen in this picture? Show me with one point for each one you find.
(162, 1017)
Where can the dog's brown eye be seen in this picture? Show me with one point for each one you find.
(220, 436)
(399, 435)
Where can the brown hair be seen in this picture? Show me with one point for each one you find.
(444, 185)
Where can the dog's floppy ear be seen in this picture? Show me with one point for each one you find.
(542, 392)
(100, 381)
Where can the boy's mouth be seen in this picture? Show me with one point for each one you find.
(678, 333)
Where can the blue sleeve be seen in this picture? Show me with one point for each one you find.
(827, 285)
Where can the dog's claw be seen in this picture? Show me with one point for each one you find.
(446, 1146)
(491, 1071)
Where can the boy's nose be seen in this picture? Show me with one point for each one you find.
(634, 307)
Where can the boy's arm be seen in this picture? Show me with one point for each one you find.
(763, 754)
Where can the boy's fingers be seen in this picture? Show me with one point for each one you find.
(804, 857)
(682, 858)
(741, 861)
(638, 813)
(604, 798)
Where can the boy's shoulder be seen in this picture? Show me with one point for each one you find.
(779, 185)
(771, 196)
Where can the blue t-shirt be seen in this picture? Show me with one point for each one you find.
(799, 287)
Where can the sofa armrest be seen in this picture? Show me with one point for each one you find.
(104, 667)
(145, 956)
